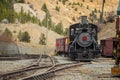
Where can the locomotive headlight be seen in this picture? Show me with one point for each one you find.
(84, 39)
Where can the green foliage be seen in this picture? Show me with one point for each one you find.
(63, 1)
(26, 17)
(66, 32)
(87, 7)
(7, 33)
(95, 10)
(81, 5)
(76, 3)
(75, 9)
(47, 21)
(42, 39)
(59, 28)
(73, 18)
(110, 17)
(69, 3)
(24, 36)
(92, 16)
(57, 2)
(7, 11)
(99, 11)
(57, 8)
(44, 8)
(21, 1)
(19, 35)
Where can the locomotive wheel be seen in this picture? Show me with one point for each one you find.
(72, 56)
(90, 55)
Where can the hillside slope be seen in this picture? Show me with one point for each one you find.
(34, 30)
(107, 31)
(71, 9)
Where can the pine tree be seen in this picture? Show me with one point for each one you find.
(59, 28)
(92, 16)
(42, 39)
(24, 36)
(7, 33)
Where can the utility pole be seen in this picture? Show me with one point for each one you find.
(101, 14)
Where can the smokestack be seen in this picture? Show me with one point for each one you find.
(84, 20)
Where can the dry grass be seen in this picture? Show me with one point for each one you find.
(67, 12)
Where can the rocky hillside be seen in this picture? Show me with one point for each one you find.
(69, 11)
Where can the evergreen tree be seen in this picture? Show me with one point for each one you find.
(66, 31)
(95, 10)
(87, 7)
(92, 16)
(44, 7)
(24, 36)
(19, 35)
(21, 1)
(42, 39)
(59, 28)
(7, 33)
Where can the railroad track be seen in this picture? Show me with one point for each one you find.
(10, 58)
(47, 71)
(20, 56)
(32, 67)
(51, 72)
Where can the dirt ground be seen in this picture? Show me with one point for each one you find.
(100, 69)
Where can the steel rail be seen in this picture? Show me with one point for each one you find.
(31, 67)
(51, 73)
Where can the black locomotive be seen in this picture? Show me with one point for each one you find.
(83, 41)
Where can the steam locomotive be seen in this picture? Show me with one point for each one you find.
(82, 41)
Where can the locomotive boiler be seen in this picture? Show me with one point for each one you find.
(83, 41)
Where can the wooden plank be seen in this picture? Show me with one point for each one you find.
(115, 71)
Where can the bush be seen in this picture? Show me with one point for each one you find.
(92, 16)
(57, 8)
(21, 1)
(24, 36)
(44, 7)
(7, 33)
(73, 19)
(63, 1)
(87, 7)
(59, 28)
(110, 16)
(42, 39)
(95, 10)
(75, 9)
(66, 31)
